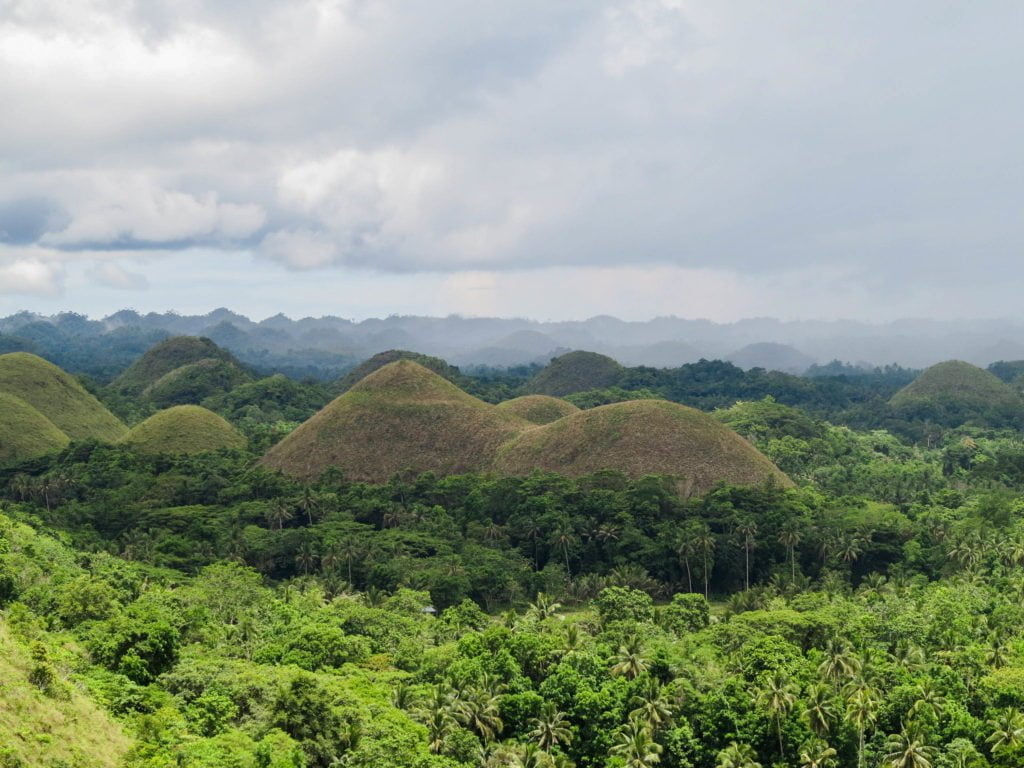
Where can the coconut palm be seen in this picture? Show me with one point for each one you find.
(306, 558)
(777, 697)
(563, 539)
(748, 530)
(686, 548)
(907, 749)
(630, 661)
(789, 537)
(652, 705)
(634, 744)
(550, 728)
(820, 709)
(438, 715)
(817, 754)
(737, 756)
(929, 700)
(840, 663)
(544, 607)
(1007, 731)
(705, 543)
(861, 713)
(477, 709)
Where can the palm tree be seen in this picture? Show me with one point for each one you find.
(439, 717)
(817, 754)
(929, 700)
(550, 728)
(350, 550)
(279, 513)
(705, 543)
(544, 607)
(789, 537)
(686, 548)
(1007, 731)
(630, 661)
(634, 744)
(907, 749)
(820, 710)
(840, 663)
(478, 710)
(849, 548)
(563, 539)
(777, 697)
(737, 756)
(748, 530)
(651, 705)
(305, 558)
(861, 713)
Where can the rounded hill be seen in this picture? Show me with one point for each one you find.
(641, 437)
(165, 357)
(577, 371)
(194, 382)
(400, 417)
(58, 396)
(25, 433)
(183, 429)
(538, 409)
(378, 361)
(955, 392)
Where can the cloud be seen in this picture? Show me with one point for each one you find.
(29, 276)
(476, 136)
(113, 275)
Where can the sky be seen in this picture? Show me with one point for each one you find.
(553, 160)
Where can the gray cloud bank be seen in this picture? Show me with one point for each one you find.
(874, 144)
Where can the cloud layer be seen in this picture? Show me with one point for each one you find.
(471, 138)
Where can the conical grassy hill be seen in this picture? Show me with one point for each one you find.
(538, 409)
(184, 429)
(575, 372)
(194, 382)
(165, 357)
(954, 392)
(641, 437)
(58, 397)
(25, 433)
(400, 417)
(378, 361)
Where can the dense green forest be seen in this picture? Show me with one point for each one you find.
(195, 608)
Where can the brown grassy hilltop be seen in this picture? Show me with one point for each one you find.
(402, 416)
(641, 437)
(184, 429)
(538, 409)
(25, 433)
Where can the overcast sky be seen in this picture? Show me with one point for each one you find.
(551, 159)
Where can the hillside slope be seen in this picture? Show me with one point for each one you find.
(641, 437)
(58, 397)
(538, 409)
(184, 429)
(24, 432)
(165, 357)
(955, 392)
(575, 372)
(400, 417)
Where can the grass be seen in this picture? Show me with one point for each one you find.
(958, 382)
(40, 729)
(58, 397)
(575, 372)
(165, 357)
(378, 361)
(25, 433)
(641, 437)
(184, 429)
(539, 409)
(194, 382)
(400, 417)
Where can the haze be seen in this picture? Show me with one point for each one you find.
(546, 160)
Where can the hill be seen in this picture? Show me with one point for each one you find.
(575, 372)
(538, 409)
(194, 382)
(183, 429)
(955, 392)
(58, 397)
(25, 433)
(165, 357)
(381, 359)
(37, 729)
(401, 417)
(641, 437)
(772, 357)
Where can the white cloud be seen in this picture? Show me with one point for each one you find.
(113, 275)
(30, 276)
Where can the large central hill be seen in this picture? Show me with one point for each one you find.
(405, 417)
(402, 416)
(641, 437)
(58, 397)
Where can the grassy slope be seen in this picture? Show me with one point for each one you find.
(959, 382)
(57, 396)
(194, 382)
(24, 432)
(164, 358)
(184, 429)
(402, 416)
(641, 437)
(43, 730)
(575, 372)
(539, 409)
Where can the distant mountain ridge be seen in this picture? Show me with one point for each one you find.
(327, 347)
